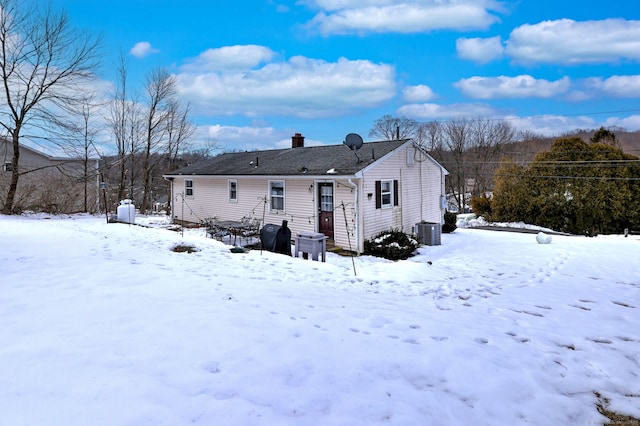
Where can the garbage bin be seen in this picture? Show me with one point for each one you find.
(429, 233)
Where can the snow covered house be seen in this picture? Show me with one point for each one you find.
(348, 193)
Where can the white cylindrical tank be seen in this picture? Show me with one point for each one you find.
(126, 212)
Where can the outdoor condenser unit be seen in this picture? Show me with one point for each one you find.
(429, 233)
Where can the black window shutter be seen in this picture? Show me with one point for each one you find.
(378, 194)
(395, 192)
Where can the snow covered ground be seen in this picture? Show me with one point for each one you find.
(103, 324)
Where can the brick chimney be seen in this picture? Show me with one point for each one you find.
(297, 141)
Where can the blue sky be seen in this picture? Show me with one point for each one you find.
(258, 71)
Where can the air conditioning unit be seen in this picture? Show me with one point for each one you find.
(429, 233)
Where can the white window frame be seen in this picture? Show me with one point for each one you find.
(386, 194)
(273, 197)
(188, 187)
(233, 190)
(7, 167)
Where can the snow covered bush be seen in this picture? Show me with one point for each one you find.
(391, 244)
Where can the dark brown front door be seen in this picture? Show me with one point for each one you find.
(325, 195)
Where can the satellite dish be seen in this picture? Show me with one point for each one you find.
(353, 141)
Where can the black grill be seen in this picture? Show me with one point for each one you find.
(276, 238)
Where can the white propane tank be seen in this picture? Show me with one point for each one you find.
(126, 212)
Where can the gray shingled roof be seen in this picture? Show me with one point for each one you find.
(313, 160)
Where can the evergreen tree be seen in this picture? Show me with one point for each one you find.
(574, 187)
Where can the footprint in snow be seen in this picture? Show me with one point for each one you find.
(519, 339)
(600, 340)
(584, 308)
(212, 367)
(626, 305)
(532, 313)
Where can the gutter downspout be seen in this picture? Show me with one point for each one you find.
(357, 214)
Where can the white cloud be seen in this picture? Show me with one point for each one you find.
(522, 86)
(419, 93)
(571, 42)
(631, 123)
(250, 137)
(239, 57)
(300, 87)
(402, 16)
(552, 125)
(618, 86)
(480, 50)
(240, 134)
(142, 49)
(431, 111)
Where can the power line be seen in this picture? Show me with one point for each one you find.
(572, 177)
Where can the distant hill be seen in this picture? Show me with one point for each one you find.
(524, 151)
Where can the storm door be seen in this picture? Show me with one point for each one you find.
(325, 195)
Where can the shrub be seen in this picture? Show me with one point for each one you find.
(392, 245)
(481, 206)
(449, 222)
(184, 248)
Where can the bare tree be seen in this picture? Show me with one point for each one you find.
(126, 124)
(118, 122)
(179, 130)
(160, 91)
(430, 136)
(44, 63)
(86, 132)
(390, 128)
(485, 149)
(456, 139)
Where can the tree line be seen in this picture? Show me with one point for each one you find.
(49, 71)
(575, 186)
(469, 148)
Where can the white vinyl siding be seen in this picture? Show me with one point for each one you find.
(419, 188)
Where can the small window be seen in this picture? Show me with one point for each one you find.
(276, 191)
(233, 190)
(188, 188)
(7, 167)
(386, 193)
